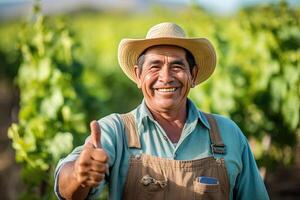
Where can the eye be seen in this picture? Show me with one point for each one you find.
(154, 67)
(178, 67)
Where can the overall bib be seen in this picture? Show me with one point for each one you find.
(152, 177)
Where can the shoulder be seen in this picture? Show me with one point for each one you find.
(229, 130)
(115, 119)
(111, 124)
(225, 122)
(112, 119)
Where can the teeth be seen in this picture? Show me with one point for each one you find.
(166, 89)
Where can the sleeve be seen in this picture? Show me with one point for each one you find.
(249, 184)
(108, 141)
(71, 157)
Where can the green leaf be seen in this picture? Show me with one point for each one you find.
(60, 145)
(51, 106)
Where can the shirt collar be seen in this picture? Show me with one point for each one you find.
(193, 114)
(143, 112)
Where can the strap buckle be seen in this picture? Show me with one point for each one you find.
(218, 148)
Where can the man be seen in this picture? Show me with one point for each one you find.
(166, 148)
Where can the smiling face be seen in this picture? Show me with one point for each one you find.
(165, 78)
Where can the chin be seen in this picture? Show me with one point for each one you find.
(167, 104)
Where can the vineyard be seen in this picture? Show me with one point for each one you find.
(66, 73)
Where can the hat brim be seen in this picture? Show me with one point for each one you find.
(202, 50)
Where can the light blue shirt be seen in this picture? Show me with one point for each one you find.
(194, 143)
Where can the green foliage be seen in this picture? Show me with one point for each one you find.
(9, 51)
(260, 74)
(276, 94)
(258, 78)
(256, 81)
(52, 118)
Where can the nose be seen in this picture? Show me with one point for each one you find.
(165, 75)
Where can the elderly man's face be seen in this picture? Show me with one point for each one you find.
(165, 78)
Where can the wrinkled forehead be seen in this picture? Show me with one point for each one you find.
(165, 50)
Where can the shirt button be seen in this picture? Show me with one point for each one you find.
(165, 137)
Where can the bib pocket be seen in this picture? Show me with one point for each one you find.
(206, 191)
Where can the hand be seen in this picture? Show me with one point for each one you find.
(91, 165)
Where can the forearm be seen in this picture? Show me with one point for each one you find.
(69, 187)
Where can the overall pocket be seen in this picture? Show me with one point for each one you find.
(206, 190)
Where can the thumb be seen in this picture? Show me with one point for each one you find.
(95, 134)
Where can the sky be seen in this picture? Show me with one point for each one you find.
(230, 6)
(219, 7)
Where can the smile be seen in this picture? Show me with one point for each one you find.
(166, 89)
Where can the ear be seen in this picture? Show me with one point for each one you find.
(137, 73)
(194, 75)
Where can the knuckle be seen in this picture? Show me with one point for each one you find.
(104, 155)
(99, 178)
(83, 156)
(100, 155)
(82, 163)
(102, 168)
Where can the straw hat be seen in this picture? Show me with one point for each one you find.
(168, 34)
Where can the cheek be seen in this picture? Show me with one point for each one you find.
(186, 79)
(149, 80)
(190, 80)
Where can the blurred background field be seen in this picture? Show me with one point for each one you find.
(59, 70)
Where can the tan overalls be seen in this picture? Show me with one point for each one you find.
(151, 177)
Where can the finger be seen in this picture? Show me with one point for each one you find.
(88, 144)
(91, 175)
(91, 179)
(98, 167)
(97, 177)
(95, 134)
(90, 183)
(100, 155)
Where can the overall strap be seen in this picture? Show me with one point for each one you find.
(133, 139)
(217, 145)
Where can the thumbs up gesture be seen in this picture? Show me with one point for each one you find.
(91, 165)
(95, 134)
